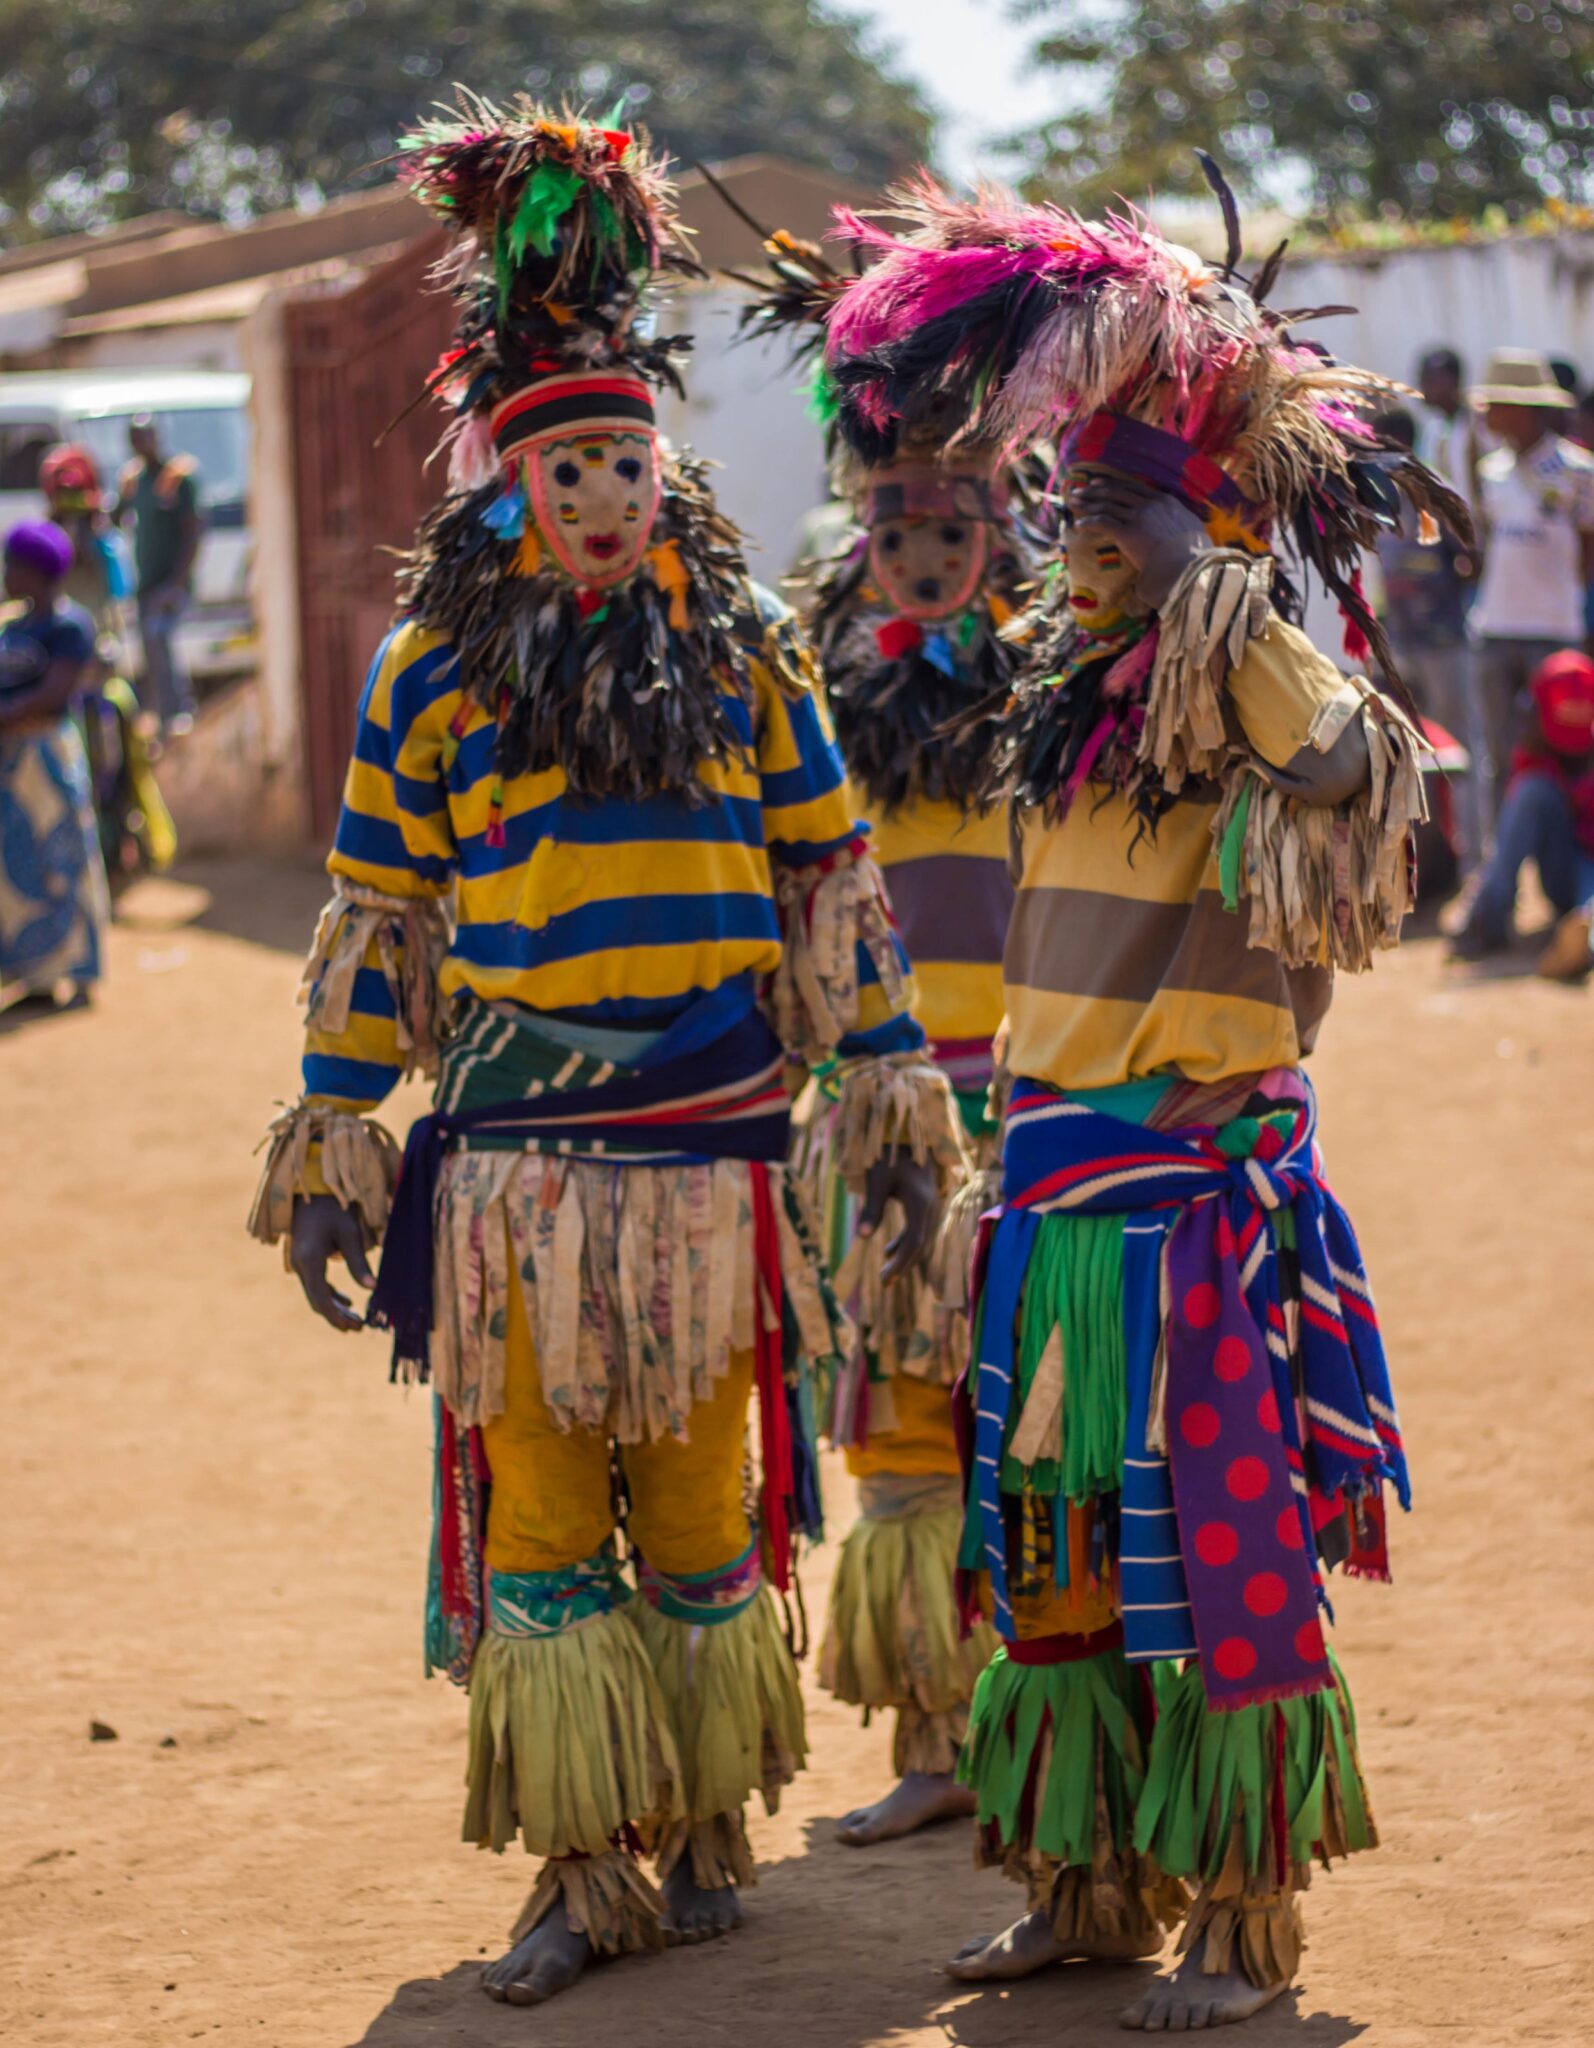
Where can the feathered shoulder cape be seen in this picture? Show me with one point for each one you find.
(627, 695)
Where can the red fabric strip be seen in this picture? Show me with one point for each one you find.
(774, 1425)
(1066, 1649)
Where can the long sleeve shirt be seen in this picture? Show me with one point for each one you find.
(598, 912)
(1121, 958)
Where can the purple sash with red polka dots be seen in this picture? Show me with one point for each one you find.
(1253, 1591)
(1256, 1464)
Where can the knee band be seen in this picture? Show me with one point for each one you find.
(548, 1603)
(704, 1597)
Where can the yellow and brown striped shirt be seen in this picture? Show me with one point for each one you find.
(1121, 960)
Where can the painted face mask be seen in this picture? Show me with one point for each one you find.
(594, 497)
(929, 539)
(585, 443)
(1101, 577)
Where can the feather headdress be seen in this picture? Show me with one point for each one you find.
(558, 229)
(1030, 321)
(898, 687)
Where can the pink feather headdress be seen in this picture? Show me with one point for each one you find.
(1023, 321)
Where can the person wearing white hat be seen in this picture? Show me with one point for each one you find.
(1536, 506)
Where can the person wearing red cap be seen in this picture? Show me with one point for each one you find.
(100, 578)
(1547, 817)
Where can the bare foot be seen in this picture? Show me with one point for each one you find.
(1030, 1945)
(917, 1800)
(547, 1961)
(692, 1915)
(1188, 2000)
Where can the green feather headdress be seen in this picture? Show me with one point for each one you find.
(559, 228)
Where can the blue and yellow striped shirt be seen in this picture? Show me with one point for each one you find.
(599, 912)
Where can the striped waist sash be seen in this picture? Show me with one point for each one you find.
(506, 1084)
(1250, 1465)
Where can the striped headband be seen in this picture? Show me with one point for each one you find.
(930, 494)
(594, 401)
(1114, 441)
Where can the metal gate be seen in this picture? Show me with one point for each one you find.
(354, 363)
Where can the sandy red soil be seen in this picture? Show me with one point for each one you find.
(214, 1512)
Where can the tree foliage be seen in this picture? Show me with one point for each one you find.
(110, 108)
(1432, 107)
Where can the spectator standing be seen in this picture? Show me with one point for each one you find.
(1448, 439)
(1581, 430)
(1426, 590)
(1536, 501)
(1547, 817)
(162, 494)
(52, 881)
(101, 576)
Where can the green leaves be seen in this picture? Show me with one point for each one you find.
(331, 90)
(1410, 108)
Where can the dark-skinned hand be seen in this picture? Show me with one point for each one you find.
(1158, 532)
(915, 1187)
(322, 1229)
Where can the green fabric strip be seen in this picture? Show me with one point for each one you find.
(1231, 853)
(1210, 1770)
(1086, 1706)
(1075, 1282)
(972, 1107)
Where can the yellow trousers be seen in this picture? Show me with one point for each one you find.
(630, 1715)
(551, 1503)
(920, 1444)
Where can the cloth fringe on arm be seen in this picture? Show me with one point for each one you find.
(827, 910)
(358, 1161)
(1218, 606)
(410, 936)
(901, 1102)
(1328, 886)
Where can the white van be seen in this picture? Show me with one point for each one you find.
(202, 413)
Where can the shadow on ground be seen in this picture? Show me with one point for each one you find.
(270, 903)
(842, 1949)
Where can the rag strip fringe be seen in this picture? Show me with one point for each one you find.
(570, 1740)
(902, 1101)
(731, 1694)
(953, 1254)
(1221, 603)
(1241, 1803)
(1056, 1754)
(827, 910)
(891, 1637)
(1328, 887)
(318, 1150)
(607, 1898)
(405, 939)
(639, 1282)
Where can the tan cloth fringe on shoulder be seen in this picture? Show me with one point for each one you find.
(357, 921)
(1219, 605)
(359, 1162)
(1331, 886)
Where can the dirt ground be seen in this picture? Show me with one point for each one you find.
(213, 1516)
